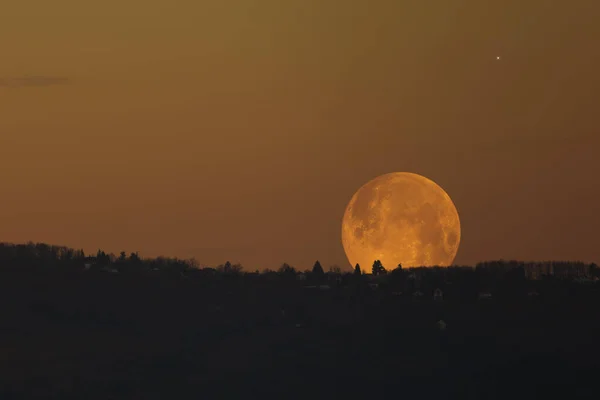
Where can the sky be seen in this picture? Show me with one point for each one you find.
(239, 129)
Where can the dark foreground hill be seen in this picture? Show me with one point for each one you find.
(109, 336)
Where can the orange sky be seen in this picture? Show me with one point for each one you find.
(238, 130)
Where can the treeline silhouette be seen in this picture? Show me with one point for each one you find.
(122, 326)
(484, 276)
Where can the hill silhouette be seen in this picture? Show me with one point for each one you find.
(75, 326)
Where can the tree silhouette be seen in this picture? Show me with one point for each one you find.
(317, 273)
(134, 258)
(593, 270)
(397, 272)
(66, 255)
(397, 278)
(224, 268)
(357, 271)
(102, 258)
(287, 271)
(378, 268)
(317, 269)
(230, 269)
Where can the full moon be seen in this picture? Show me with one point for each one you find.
(400, 218)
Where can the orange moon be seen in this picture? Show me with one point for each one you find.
(401, 218)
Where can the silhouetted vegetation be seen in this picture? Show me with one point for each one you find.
(378, 268)
(317, 272)
(122, 326)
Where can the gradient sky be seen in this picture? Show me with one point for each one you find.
(239, 129)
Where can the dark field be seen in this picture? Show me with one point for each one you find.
(109, 336)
